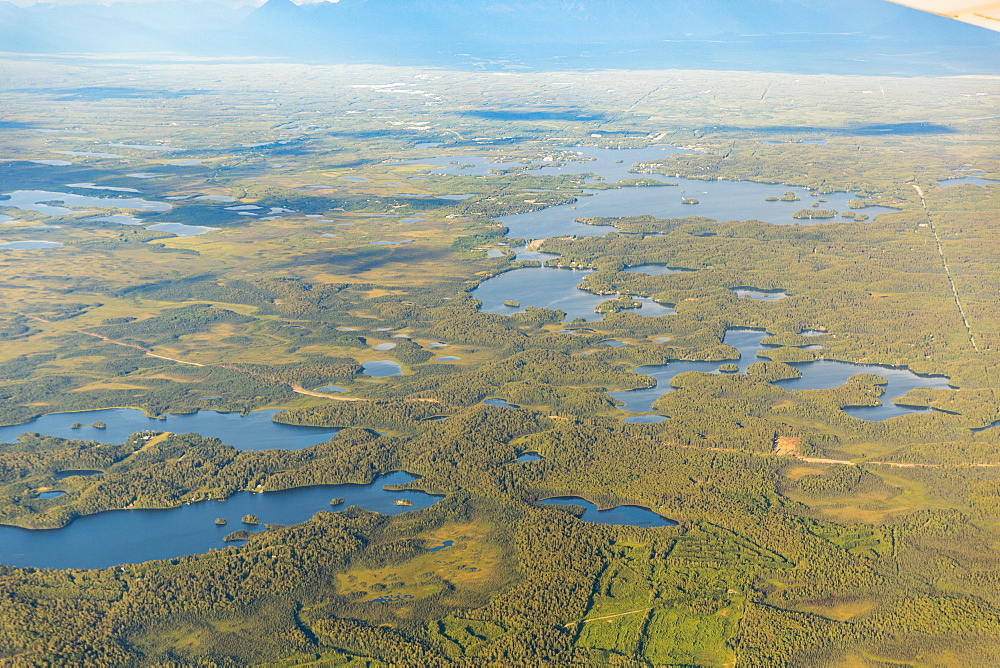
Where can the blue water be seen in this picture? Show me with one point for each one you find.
(818, 375)
(628, 515)
(254, 431)
(132, 536)
(641, 401)
(381, 368)
(547, 287)
(40, 201)
(528, 457)
(62, 475)
(182, 230)
(967, 180)
(719, 200)
(762, 295)
(499, 402)
(644, 419)
(29, 245)
(824, 374)
(447, 543)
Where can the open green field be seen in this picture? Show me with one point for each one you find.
(805, 536)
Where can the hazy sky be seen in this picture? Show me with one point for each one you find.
(228, 3)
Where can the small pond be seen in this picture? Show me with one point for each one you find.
(499, 402)
(762, 295)
(62, 475)
(131, 536)
(381, 368)
(627, 515)
(447, 543)
(182, 230)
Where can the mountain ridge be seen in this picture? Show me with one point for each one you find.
(532, 33)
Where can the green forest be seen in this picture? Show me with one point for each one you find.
(801, 535)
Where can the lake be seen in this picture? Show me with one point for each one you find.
(132, 536)
(182, 230)
(718, 199)
(549, 287)
(381, 368)
(254, 431)
(621, 515)
(761, 295)
(41, 201)
(611, 164)
(967, 180)
(821, 374)
(29, 245)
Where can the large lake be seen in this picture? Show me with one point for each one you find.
(720, 200)
(548, 287)
(46, 202)
(254, 431)
(132, 536)
(821, 374)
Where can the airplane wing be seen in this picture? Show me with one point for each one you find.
(981, 13)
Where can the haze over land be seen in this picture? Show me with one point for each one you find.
(848, 37)
(672, 328)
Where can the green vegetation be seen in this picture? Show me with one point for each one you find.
(805, 536)
(814, 213)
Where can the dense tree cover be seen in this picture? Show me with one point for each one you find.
(804, 536)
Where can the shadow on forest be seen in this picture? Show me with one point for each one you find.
(367, 259)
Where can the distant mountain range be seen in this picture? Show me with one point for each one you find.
(849, 36)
